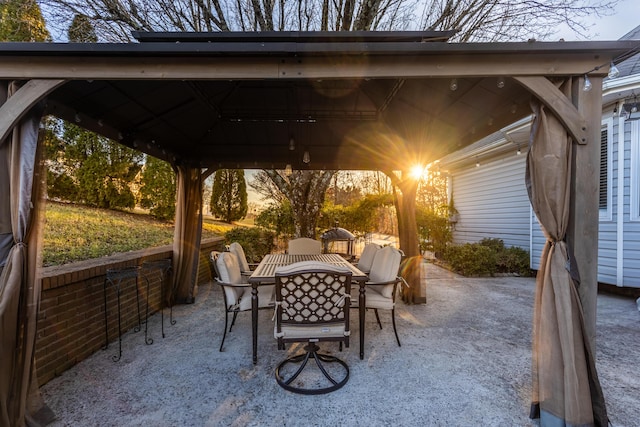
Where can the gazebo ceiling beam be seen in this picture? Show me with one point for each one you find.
(562, 107)
(198, 68)
(21, 102)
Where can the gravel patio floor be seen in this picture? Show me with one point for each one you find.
(465, 360)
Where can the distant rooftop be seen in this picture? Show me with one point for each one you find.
(631, 65)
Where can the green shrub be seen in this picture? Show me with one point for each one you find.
(487, 257)
(472, 259)
(497, 245)
(514, 260)
(256, 242)
(434, 231)
(278, 218)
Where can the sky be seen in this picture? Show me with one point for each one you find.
(625, 18)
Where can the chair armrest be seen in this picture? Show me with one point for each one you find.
(234, 285)
(390, 282)
(393, 282)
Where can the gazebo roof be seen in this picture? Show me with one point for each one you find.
(359, 100)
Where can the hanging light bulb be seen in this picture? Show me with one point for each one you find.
(292, 144)
(587, 84)
(613, 71)
(477, 163)
(453, 85)
(500, 82)
(306, 158)
(519, 151)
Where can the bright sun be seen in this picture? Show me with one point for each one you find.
(417, 171)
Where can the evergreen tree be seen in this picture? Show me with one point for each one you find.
(229, 195)
(22, 21)
(81, 30)
(102, 170)
(87, 168)
(158, 188)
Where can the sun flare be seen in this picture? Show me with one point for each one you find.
(417, 171)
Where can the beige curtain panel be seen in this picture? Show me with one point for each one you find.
(20, 231)
(187, 234)
(566, 390)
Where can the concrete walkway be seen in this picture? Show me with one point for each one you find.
(465, 360)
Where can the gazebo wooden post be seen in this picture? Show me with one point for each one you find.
(581, 116)
(582, 234)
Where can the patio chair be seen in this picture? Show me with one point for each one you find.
(245, 267)
(236, 293)
(366, 257)
(304, 246)
(312, 305)
(383, 284)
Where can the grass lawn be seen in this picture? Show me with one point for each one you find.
(75, 233)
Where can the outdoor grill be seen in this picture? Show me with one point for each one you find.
(338, 240)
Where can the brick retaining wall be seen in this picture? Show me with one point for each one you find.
(71, 317)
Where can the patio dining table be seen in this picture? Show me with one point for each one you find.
(264, 274)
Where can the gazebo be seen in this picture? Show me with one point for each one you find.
(357, 101)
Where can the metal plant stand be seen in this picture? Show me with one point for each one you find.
(164, 267)
(114, 277)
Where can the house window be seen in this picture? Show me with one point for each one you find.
(604, 200)
(635, 170)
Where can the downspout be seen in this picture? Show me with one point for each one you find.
(620, 204)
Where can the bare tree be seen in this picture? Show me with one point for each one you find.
(304, 189)
(475, 20)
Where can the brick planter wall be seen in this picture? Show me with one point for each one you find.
(71, 318)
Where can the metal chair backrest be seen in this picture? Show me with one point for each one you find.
(312, 293)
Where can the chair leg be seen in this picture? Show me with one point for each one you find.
(393, 320)
(311, 351)
(233, 322)
(224, 334)
(375, 310)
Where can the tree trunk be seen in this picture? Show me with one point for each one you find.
(305, 190)
(405, 202)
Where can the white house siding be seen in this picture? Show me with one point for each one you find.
(537, 242)
(630, 235)
(618, 237)
(492, 202)
(608, 225)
